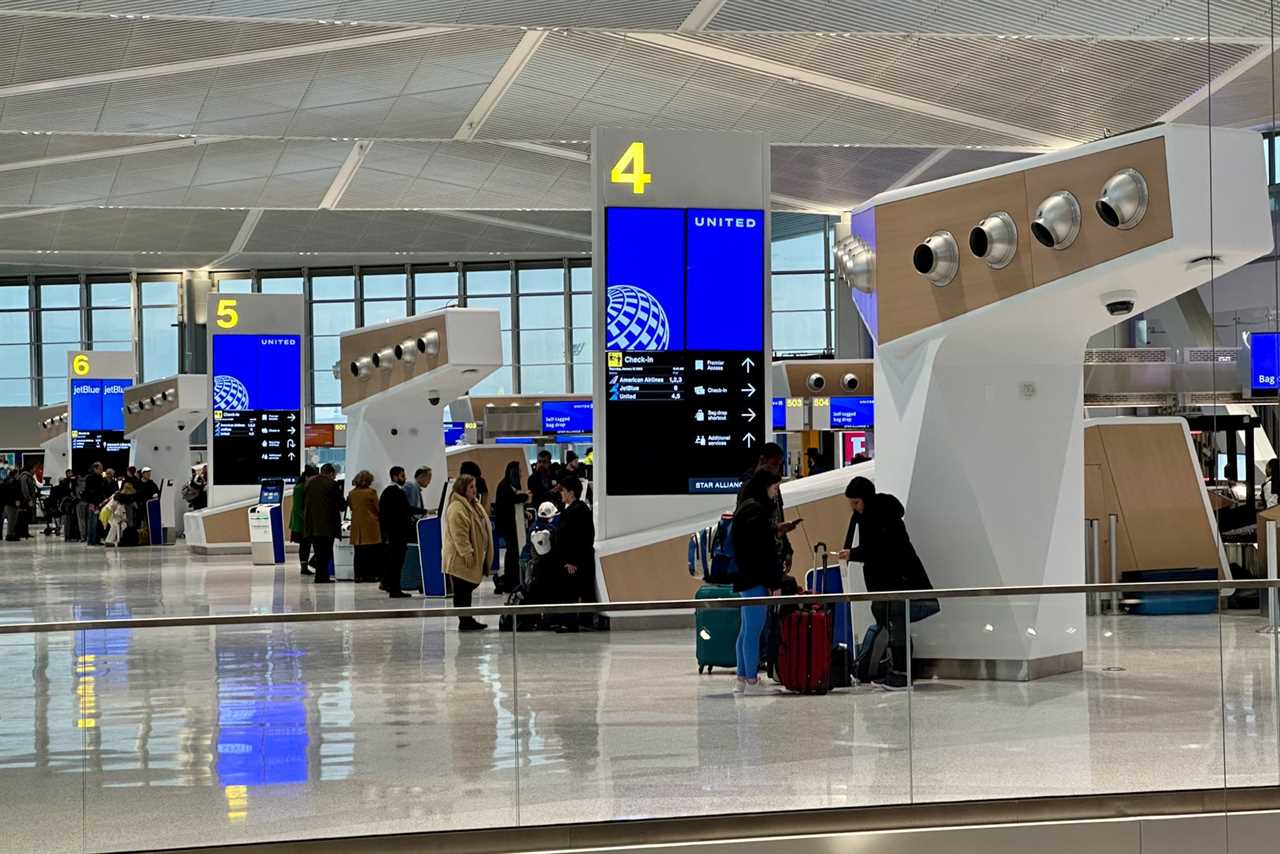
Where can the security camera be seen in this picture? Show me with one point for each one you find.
(1119, 303)
(849, 382)
(816, 382)
(433, 397)
(395, 431)
(182, 425)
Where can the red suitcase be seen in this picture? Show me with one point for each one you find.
(804, 655)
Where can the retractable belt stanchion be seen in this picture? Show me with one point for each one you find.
(1092, 562)
(1113, 524)
(1270, 628)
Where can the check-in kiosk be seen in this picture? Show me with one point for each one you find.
(266, 524)
(397, 379)
(159, 419)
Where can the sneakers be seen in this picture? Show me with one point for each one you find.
(739, 685)
(757, 689)
(895, 682)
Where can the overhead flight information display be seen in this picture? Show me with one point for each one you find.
(852, 412)
(97, 424)
(1264, 362)
(257, 408)
(684, 348)
(566, 416)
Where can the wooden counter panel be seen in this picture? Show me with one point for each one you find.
(370, 339)
(833, 372)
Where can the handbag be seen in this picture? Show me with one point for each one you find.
(923, 609)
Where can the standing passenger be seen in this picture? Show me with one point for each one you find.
(468, 546)
(396, 520)
(508, 517)
(295, 519)
(322, 519)
(366, 533)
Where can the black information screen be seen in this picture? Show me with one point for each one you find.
(685, 406)
(97, 424)
(257, 408)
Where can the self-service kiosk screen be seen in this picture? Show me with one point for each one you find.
(257, 408)
(684, 348)
(97, 424)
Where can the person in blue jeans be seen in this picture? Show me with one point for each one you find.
(760, 570)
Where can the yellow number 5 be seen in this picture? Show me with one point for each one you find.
(630, 169)
(228, 317)
(80, 365)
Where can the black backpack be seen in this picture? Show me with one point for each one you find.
(875, 658)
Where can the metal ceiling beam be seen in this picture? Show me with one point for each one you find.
(103, 153)
(247, 227)
(1198, 97)
(144, 72)
(908, 177)
(25, 212)
(701, 15)
(346, 174)
(545, 149)
(507, 74)
(484, 219)
(840, 86)
(805, 205)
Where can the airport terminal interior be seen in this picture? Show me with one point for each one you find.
(743, 425)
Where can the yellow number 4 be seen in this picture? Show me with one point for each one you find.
(630, 169)
(228, 317)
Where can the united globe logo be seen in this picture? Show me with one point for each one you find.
(229, 394)
(635, 320)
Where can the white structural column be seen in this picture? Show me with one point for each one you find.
(980, 417)
(346, 174)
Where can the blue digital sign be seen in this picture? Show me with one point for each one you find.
(257, 372)
(724, 296)
(566, 416)
(98, 405)
(644, 279)
(779, 413)
(514, 440)
(454, 431)
(849, 413)
(1264, 361)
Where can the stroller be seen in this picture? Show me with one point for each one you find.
(535, 563)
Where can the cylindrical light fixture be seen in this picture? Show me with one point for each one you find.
(1057, 221)
(429, 343)
(937, 258)
(849, 382)
(407, 350)
(384, 358)
(995, 240)
(361, 368)
(1124, 198)
(815, 382)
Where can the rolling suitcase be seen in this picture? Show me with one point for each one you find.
(716, 630)
(411, 570)
(804, 656)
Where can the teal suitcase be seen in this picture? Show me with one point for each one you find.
(411, 570)
(716, 629)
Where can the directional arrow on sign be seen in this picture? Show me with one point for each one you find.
(293, 430)
(749, 439)
(293, 456)
(748, 363)
(750, 390)
(750, 415)
(293, 417)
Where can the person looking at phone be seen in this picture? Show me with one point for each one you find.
(755, 536)
(771, 459)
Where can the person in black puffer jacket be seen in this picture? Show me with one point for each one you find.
(760, 570)
(889, 561)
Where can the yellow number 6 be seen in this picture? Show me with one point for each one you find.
(630, 169)
(80, 364)
(228, 317)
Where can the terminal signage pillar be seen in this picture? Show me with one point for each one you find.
(257, 419)
(681, 284)
(96, 382)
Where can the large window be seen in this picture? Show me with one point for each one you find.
(385, 295)
(15, 343)
(545, 310)
(333, 311)
(581, 320)
(544, 329)
(490, 287)
(60, 333)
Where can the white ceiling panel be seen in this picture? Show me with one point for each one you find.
(1121, 18)
(612, 14)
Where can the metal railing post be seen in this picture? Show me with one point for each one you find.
(1092, 563)
(1113, 525)
(1270, 628)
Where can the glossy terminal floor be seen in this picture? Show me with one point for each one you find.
(120, 739)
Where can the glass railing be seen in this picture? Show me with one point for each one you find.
(124, 734)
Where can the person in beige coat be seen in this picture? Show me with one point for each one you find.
(468, 546)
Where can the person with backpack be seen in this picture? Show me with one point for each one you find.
(771, 459)
(889, 562)
(760, 569)
(295, 519)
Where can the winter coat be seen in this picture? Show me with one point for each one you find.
(365, 530)
(468, 540)
(889, 561)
